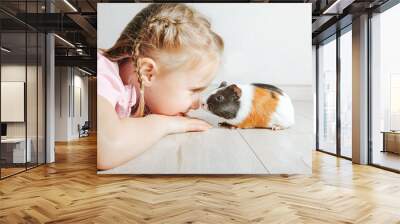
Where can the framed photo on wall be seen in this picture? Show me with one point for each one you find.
(205, 88)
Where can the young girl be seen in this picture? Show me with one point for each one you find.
(150, 78)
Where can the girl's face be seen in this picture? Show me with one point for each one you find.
(178, 92)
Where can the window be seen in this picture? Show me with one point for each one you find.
(327, 96)
(394, 101)
(385, 89)
(23, 74)
(346, 93)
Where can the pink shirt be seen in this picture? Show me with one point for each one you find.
(110, 86)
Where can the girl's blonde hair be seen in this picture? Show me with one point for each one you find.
(160, 30)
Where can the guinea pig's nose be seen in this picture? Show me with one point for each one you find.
(204, 105)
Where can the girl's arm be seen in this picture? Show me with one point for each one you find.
(120, 140)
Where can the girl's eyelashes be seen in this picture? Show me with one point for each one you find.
(198, 90)
(194, 93)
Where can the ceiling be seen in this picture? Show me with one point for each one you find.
(76, 22)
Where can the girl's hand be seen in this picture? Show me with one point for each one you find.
(179, 124)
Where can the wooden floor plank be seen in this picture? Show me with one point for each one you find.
(70, 191)
(281, 153)
(224, 151)
(216, 151)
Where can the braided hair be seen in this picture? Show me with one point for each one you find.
(162, 27)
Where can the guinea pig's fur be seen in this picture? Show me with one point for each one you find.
(250, 106)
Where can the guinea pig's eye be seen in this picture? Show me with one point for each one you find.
(220, 98)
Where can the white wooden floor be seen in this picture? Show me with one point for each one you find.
(225, 151)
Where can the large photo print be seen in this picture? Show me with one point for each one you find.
(204, 88)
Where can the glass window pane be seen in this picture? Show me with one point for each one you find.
(346, 93)
(32, 87)
(327, 96)
(41, 98)
(386, 89)
(31, 100)
(13, 86)
(23, 84)
(394, 101)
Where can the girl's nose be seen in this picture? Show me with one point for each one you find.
(196, 105)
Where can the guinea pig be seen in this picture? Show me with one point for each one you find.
(250, 106)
